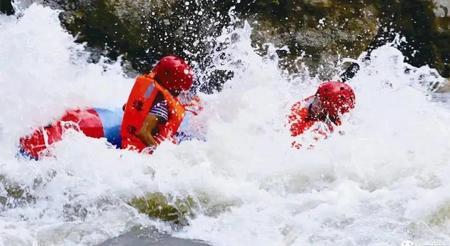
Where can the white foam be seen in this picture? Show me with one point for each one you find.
(376, 184)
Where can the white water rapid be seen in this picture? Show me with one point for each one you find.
(383, 181)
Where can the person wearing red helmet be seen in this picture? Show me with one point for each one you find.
(327, 105)
(152, 114)
(171, 76)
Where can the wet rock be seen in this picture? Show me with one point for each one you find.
(441, 216)
(318, 33)
(141, 30)
(425, 24)
(444, 87)
(319, 3)
(13, 194)
(174, 210)
(139, 236)
(6, 7)
(442, 42)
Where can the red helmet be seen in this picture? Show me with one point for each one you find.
(335, 98)
(174, 74)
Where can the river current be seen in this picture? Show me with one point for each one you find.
(383, 179)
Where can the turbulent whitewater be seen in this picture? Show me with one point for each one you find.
(382, 180)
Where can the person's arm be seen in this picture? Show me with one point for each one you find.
(157, 115)
(148, 127)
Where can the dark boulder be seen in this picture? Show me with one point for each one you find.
(317, 33)
(426, 26)
(6, 7)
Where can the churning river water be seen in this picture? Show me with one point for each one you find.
(383, 180)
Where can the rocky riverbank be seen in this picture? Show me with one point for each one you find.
(319, 32)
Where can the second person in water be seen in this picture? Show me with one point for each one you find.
(332, 100)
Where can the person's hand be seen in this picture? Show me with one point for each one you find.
(145, 134)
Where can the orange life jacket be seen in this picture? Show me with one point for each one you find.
(140, 101)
